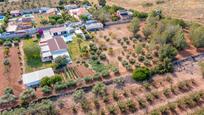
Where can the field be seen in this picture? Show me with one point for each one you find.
(11, 78)
(74, 48)
(75, 72)
(21, 4)
(162, 92)
(191, 10)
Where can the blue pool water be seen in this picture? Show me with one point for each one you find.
(2, 17)
(68, 38)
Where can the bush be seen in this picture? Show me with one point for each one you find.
(197, 36)
(46, 90)
(141, 74)
(79, 96)
(115, 70)
(48, 81)
(61, 62)
(27, 96)
(167, 51)
(99, 89)
(8, 90)
(103, 57)
(135, 25)
(88, 79)
(122, 106)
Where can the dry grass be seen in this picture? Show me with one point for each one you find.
(191, 10)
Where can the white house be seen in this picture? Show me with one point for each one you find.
(94, 26)
(71, 6)
(52, 48)
(58, 31)
(33, 79)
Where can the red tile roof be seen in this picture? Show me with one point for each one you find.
(57, 43)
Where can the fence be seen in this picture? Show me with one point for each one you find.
(117, 22)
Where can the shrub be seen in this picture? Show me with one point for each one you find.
(167, 51)
(115, 70)
(27, 96)
(7, 99)
(141, 74)
(135, 24)
(141, 58)
(8, 90)
(79, 96)
(105, 73)
(88, 79)
(61, 62)
(197, 36)
(103, 57)
(99, 89)
(147, 4)
(141, 102)
(46, 90)
(160, 1)
(131, 105)
(115, 95)
(119, 81)
(122, 106)
(112, 110)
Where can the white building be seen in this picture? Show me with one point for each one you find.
(52, 48)
(33, 79)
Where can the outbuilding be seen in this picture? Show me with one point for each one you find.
(32, 79)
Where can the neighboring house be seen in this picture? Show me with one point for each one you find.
(52, 11)
(59, 31)
(124, 14)
(78, 12)
(78, 31)
(24, 23)
(15, 13)
(53, 48)
(94, 26)
(32, 80)
(71, 6)
(44, 9)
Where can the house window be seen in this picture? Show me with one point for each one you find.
(55, 34)
(64, 32)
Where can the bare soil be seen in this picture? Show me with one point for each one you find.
(11, 78)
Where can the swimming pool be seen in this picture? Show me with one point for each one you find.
(68, 38)
(2, 17)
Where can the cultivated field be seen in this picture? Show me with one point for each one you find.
(11, 78)
(191, 10)
(162, 92)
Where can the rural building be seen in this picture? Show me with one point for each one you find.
(52, 11)
(124, 14)
(52, 48)
(71, 6)
(15, 13)
(78, 12)
(58, 31)
(33, 79)
(94, 26)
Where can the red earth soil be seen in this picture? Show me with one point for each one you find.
(10, 79)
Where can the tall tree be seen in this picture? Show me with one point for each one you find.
(102, 2)
(135, 25)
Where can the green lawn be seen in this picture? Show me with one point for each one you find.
(74, 50)
(34, 64)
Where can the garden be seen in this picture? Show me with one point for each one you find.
(32, 57)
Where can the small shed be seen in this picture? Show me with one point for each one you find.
(33, 79)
